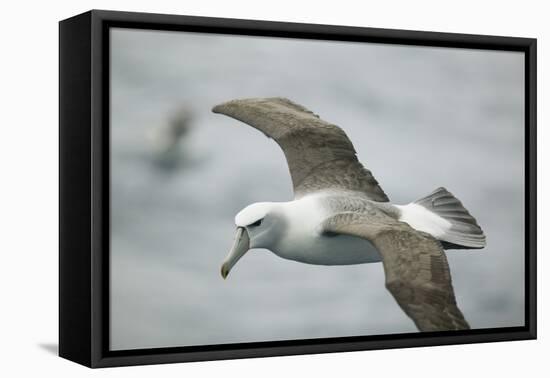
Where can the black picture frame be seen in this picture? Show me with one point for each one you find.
(84, 187)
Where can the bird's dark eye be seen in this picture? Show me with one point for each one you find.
(255, 224)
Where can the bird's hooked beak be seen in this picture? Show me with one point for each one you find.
(240, 246)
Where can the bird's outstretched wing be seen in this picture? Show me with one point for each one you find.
(417, 272)
(319, 154)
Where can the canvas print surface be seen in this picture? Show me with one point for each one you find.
(387, 198)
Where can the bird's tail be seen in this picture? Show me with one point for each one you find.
(443, 216)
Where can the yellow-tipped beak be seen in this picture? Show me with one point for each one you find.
(240, 247)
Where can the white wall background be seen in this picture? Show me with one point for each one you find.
(28, 208)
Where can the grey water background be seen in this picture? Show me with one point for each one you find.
(419, 118)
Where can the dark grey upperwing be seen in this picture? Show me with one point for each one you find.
(319, 154)
(416, 268)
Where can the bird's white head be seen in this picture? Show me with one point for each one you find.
(259, 225)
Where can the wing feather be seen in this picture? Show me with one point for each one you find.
(416, 269)
(319, 154)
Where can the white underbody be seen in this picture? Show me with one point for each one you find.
(305, 243)
(323, 250)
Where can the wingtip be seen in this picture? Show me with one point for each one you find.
(218, 108)
(226, 107)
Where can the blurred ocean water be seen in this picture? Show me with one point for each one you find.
(419, 118)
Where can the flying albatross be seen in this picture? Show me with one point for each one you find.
(340, 215)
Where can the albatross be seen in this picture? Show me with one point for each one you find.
(340, 215)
